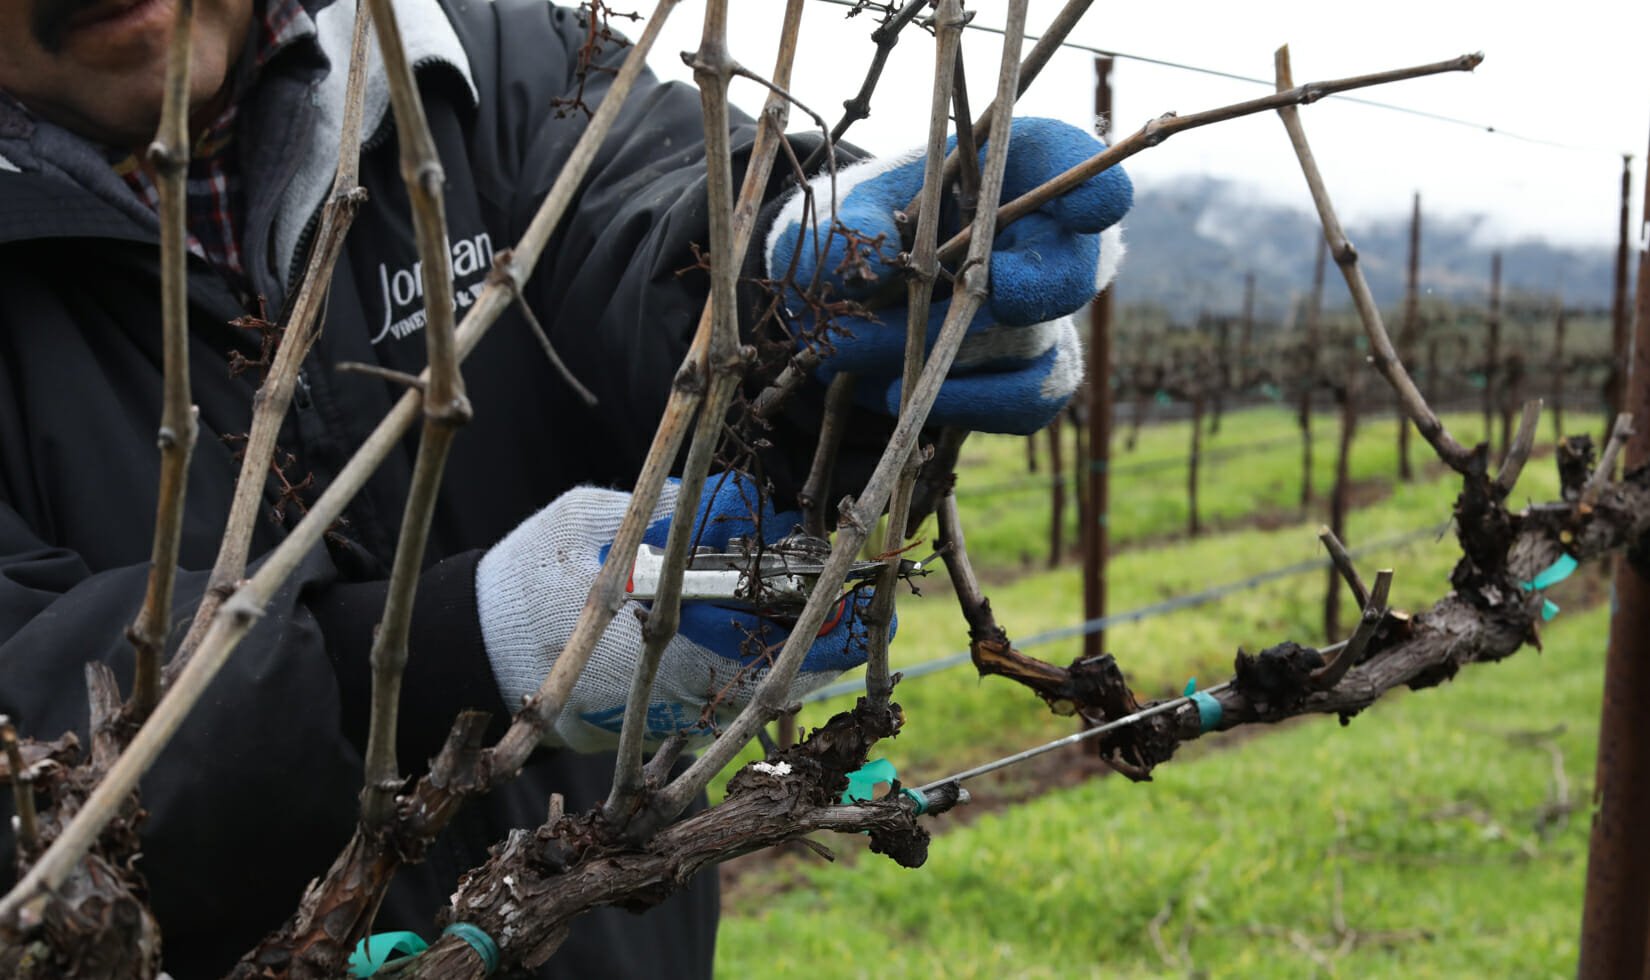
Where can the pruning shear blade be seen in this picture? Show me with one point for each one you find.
(781, 575)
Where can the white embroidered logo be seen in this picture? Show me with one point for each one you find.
(402, 290)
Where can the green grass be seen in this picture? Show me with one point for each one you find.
(1423, 814)
(1422, 808)
(956, 719)
(1006, 510)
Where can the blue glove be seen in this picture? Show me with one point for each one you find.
(724, 514)
(531, 586)
(1021, 359)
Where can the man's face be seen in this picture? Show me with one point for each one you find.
(98, 67)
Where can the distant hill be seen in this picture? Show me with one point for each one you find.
(1192, 241)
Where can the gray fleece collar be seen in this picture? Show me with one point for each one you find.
(429, 38)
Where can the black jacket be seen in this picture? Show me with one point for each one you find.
(259, 789)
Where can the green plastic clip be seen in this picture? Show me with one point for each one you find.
(862, 782)
(479, 941)
(1208, 708)
(862, 785)
(1553, 574)
(374, 952)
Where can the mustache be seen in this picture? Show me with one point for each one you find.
(51, 21)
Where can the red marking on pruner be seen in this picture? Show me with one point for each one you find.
(836, 617)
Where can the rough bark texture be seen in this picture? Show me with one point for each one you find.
(538, 881)
(337, 909)
(1488, 616)
(99, 924)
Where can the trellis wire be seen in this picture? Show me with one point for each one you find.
(1151, 611)
(1072, 739)
(1085, 734)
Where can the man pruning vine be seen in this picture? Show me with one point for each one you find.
(259, 788)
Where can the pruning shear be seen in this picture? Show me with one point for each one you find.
(777, 578)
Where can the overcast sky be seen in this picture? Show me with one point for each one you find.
(1575, 72)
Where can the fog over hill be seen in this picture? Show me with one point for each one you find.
(1192, 241)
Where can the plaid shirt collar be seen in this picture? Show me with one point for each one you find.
(212, 186)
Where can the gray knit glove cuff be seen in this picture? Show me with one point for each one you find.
(531, 586)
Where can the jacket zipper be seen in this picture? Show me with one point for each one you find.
(381, 135)
(300, 254)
